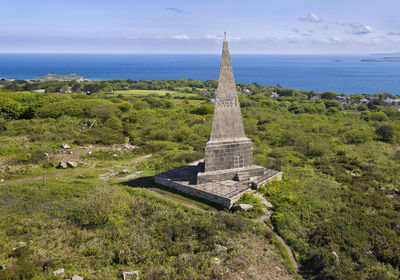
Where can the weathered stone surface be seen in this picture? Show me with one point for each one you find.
(77, 277)
(229, 174)
(220, 248)
(242, 176)
(128, 146)
(58, 272)
(72, 164)
(228, 146)
(227, 120)
(65, 146)
(124, 171)
(130, 274)
(243, 206)
(223, 192)
(3, 266)
(62, 165)
(228, 155)
(227, 170)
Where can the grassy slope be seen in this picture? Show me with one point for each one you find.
(339, 188)
(98, 230)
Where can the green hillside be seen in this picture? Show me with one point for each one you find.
(337, 207)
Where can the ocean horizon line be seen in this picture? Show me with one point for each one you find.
(250, 54)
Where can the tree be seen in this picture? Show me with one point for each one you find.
(385, 133)
(328, 95)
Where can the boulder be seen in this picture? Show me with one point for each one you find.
(130, 274)
(62, 165)
(72, 164)
(77, 277)
(65, 146)
(128, 146)
(124, 171)
(220, 248)
(58, 272)
(242, 207)
(3, 266)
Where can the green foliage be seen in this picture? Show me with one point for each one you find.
(253, 213)
(86, 227)
(379, 116)
(10, 108)
(105, 206)
(339, 193)
(385, 132)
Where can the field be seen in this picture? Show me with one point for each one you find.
(337, 206)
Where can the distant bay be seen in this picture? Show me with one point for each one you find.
(340, 73)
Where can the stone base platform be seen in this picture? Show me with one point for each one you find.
(224, 192)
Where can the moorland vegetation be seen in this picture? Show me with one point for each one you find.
(338, 205)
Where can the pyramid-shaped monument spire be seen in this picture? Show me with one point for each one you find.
(227, 122)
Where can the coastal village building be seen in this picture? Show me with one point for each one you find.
(227, 171)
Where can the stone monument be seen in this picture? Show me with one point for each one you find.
(227, 170)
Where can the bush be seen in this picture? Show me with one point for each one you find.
(378, 116)
(253, 213)
(105, 205)
(385, 133)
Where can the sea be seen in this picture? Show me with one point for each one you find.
(340, 73)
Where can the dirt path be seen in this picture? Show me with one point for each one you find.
(52, 173)
(266, 216)
(46, 175)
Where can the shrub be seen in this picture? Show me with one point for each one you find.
(385, 133)
(253, 213)
(105, 205)
(378, 116)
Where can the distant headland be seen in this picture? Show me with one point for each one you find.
(56, 77)
(385, 59)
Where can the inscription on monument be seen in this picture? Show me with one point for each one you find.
(227, 102)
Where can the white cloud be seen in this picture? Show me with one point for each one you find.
(337, 39)
(213, 37)
(359, 29)
(181, 37)
(311, 17)
(219, 38)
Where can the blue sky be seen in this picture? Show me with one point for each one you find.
(177, 26)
